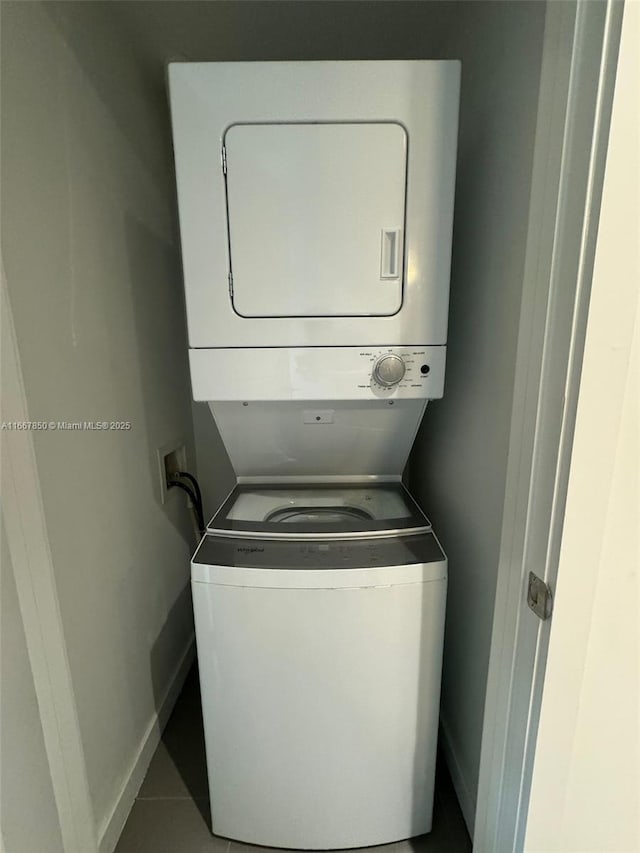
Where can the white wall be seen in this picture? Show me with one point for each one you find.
(585, 795)
(458, 466)
(95, 286)
(25, 782)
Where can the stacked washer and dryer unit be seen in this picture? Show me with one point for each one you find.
(316, 206)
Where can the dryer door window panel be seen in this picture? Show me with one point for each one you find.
(316, 216)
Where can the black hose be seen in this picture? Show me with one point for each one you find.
(194, 500)
(195, 485)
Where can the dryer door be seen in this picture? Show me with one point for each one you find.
(316, 218)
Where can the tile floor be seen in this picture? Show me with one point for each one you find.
(171, 811)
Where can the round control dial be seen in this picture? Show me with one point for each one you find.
(389, 369)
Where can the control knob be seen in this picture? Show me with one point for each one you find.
(389, 369)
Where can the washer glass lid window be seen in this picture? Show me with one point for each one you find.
(286, 511)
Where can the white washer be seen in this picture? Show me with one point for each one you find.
(319, 620)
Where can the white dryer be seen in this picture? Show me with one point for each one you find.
(316, 201)
(319, 621)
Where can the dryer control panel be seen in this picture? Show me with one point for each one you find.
(318, 373)
(403, 369)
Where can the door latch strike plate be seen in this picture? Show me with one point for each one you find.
(539, 597)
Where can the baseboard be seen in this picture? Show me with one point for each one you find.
(467, 802)
(111, 827)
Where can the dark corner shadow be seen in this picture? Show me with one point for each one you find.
(183, 735)
(157, 305)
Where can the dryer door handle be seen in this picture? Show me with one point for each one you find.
(390, 253)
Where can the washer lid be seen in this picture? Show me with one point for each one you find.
(318, 511)
(318, 437)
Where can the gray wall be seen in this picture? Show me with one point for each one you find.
(458, 466)
(92, 264)
(93, 273)
(25, 782)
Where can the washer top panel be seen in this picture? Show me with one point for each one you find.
(319, 564)
(318, 511)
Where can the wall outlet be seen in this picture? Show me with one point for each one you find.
(172, 457)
